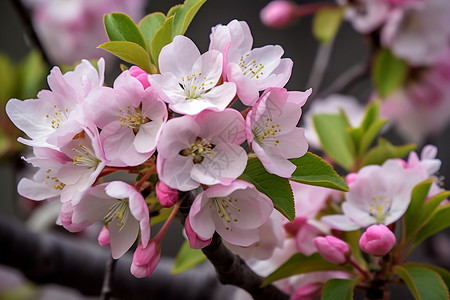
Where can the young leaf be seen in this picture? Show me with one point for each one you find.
(32, 74)
(130, 52)
(299, 264)
(384, 150)
(326, 23)
(8, 79)
(150, 25)
(335, 139)
(187, 258)
(339, 289)
(312, 170)
(389, 72)
(371, 115)
(423, 283)
(276, 188)
(445, 275)
(161, 38)
(418, 197)
(369, 135)
(431, 205)
(184, 14)
(438, 221)
(121, 27)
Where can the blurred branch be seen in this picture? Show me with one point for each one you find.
(52, 258)
(319, 66)
(25, 17)
(230, 268)
(107, 279)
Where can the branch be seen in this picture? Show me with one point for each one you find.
(319, 66)
(230, 268)
(53, 258)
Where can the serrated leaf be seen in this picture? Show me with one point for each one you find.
(418, 197)
(120, 27)
(445, 274)
(423, 283)
(276, 188)
(326, 23)
(299, 264)
(187, 258)
(389, 72)
(384, 150)
(162, 37)
(339, 289)
(438, 221)
(184, 15)
(369, 135)
(335, 139)
(150, 25)
(130, 52)
(312, 170)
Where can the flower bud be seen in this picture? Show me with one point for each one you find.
(140, 75)
(103, 237)
(308, 291)
(166, 195)
(278, 14)
(378, 240)
(333, 249)
(146, 259)
(195, 242)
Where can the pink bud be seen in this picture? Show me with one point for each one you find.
(378, 240)
(166, 195)
(140, 75)
(103, 237)
(350, 178)
(308, 291)
(333, 249)
(278, 14)
(195, 242)
(146, 259)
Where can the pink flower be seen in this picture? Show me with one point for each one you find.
(367, 15)
(333, 249)
(309, 291)
(278, 14)
(195, 242)
(235, 212)
(123, 211)
(252, 70)
(202, 149)
(377, 240)
(55, 113)
(379, 195)
(145, 259)
(271, 129)
(140, 75)
(167, 196)
(189, 82)
(131, 120)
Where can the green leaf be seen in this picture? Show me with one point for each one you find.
(276, 188)
(312, 170)
(8, 79)
(121, 27)
(161, 38)
(388, 73)
(369, 135)
(32, 74)
(184, 14)
(326, 23)
(418, 196)
(445, 275)
(384, 150)
(352, 238)
(130, 52)
(335, 139)
(150, 25)
(5, 143)
(371, 115)
(187, 258)
(438, 221)
(431, 205)
(299, 264)
(339, 289)
(423, 283)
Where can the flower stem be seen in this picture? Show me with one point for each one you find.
(144, 178)
(366, 275)
(163, 229)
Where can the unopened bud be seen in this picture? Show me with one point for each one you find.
(333, 249)
(378, 240)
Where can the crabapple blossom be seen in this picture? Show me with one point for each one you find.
(145, 259)
(202, 149)
(190, 82)
(271, 129)
(377, 240)
(235, 212)
(123, 211)
(140, 75)
(195, 242)
(367, 15)
(252, 70)
(54, 115)
(66, 173)
(167, 196)
(130, 117)
(378, 195)
(333, 249)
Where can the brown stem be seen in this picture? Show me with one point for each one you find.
(107, 279)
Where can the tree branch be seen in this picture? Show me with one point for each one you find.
(230, 268)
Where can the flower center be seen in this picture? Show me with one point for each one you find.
(58, 118)
(225, 207)
(118, 210)
(132, 117)
(195, 85)
(198, 150)
(57, 185)
(380, 208)
(250, 68)
(84, 154)
(266, 132)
